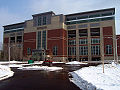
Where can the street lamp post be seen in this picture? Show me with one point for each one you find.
(103, 63)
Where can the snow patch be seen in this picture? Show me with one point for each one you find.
(19, 62)
(11, 62)
(81, 83)
(75, 62)
(5, 72)
(57, 62)
(41, 68)
(110, 80)
(15, 65)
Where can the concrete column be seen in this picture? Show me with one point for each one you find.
(8, 48)
(41, 38)
(101, 44)
(22, 47)
(77, 44)
(15, 38)
(46, 38)
(89, 44)
(114, 42)
(67, 44)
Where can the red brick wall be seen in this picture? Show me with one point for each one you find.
(6, 40)
(118, 45)
(107, 31)
(57, 38)
(29, 41)
(107, 37)
(65, 42)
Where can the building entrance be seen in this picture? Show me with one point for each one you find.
(38, 54)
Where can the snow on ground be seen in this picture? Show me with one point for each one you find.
(57, 62)
(93, 77)
(75, 62)
(11, 62)
(14, 65)
(41, 68)
(5, 72)
(19, 63)
(36, 62)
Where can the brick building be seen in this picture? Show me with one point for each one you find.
(118, 47)
(79, 36)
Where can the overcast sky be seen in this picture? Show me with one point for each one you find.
(14, 11)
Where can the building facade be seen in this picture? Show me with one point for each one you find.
(13, 41)
(86, 36)
(118, 47)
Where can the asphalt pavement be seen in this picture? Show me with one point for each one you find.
(40, 80)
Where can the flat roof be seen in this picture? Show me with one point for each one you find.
(14, 24)
(50, 12)
(87, 12)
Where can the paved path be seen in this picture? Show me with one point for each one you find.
(38, 80)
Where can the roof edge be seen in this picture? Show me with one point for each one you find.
(99, 10)
(44, 13)
(13, 24)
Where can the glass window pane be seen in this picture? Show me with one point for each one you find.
(39, 40)
(44, 39)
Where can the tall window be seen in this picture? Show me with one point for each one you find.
(19, 38)
(83, 41)
(71, 42)
(95, 40)
(71, 33)
(55, 50)
(39, 40)
(71, 50)
(108, 49)
(83, 33)
(83, 50)
(39, 21)
(95, 31)
(44, 39)
(12, 39)
(95, 50)
(44, 20)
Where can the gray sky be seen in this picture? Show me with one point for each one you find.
(14, 11)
